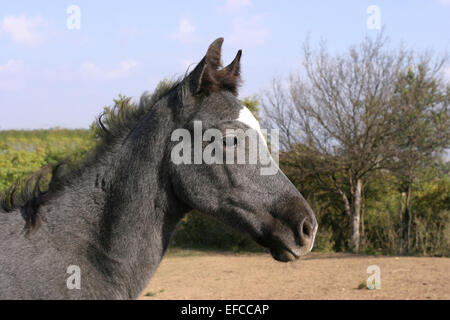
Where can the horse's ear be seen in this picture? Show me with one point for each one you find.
(204, 77)
(234, 67)
(230, 76)
(207, 78)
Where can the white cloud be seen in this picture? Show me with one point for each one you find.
(12, 75)
(125, 68)
(236, 5)
(90, 69)
(185, 32)
(248, 32)
(11, 66)
(22, 29)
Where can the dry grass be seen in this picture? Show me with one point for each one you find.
(200, 275)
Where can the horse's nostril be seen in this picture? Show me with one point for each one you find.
(306, 229)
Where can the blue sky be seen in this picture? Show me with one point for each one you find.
(51, 75)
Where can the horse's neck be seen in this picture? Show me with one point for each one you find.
(122, 212)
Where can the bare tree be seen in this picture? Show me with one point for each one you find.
(339, 118)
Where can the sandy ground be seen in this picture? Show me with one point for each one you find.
(316, 276)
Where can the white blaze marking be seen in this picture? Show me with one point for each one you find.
(246, 117)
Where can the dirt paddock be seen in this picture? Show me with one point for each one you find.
(317, 276)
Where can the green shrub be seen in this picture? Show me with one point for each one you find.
(199, 231)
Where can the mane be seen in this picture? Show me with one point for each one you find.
(112, 124)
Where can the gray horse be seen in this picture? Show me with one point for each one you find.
(102, 228)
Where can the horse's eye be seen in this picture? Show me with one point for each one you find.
(230, 141)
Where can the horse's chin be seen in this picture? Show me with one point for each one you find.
(282, 255)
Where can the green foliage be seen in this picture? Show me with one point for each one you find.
(383, 225)
(362, 285)
(252, 103)
(200, 231)
(24, 152)
(432, 216)
(324, 240)
(383, 205)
